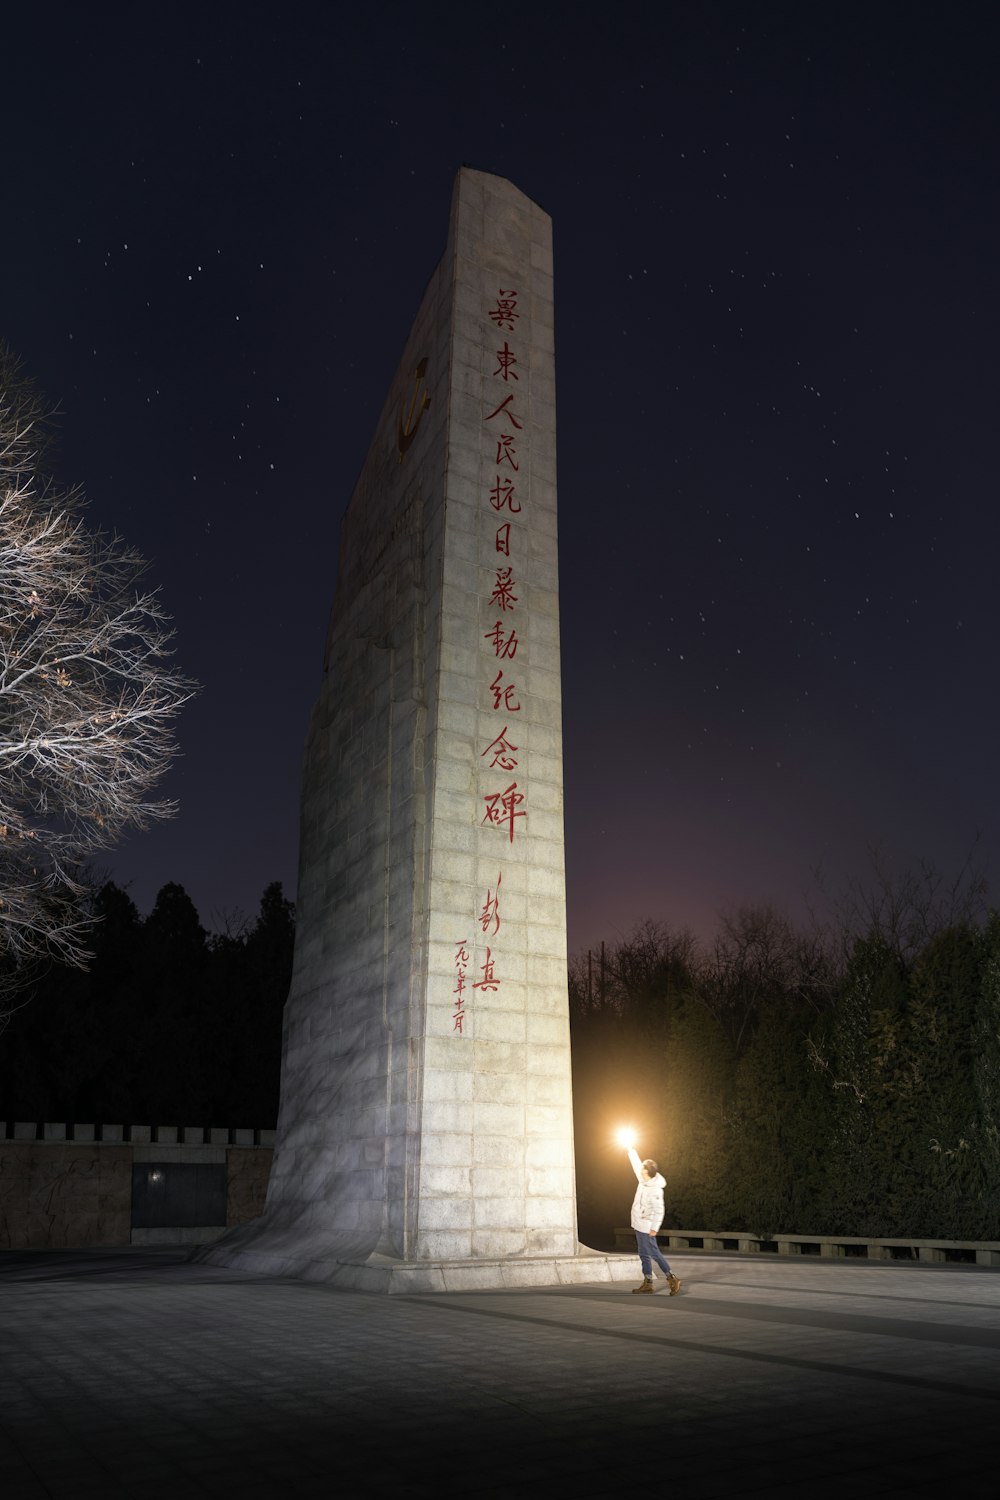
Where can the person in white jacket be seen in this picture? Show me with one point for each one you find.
(647, 1216)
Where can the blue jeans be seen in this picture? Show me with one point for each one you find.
(649, 1251)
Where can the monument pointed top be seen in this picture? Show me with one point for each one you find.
(469, 168)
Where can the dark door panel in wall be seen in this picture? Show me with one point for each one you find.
(178, 1195)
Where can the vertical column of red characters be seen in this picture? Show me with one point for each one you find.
(504, 807)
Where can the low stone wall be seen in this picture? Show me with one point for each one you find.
(248, 1170)
(62, 1196)
(70, 1187)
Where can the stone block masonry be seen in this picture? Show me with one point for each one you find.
(426, 1117)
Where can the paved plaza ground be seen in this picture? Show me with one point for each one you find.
(139, 1374)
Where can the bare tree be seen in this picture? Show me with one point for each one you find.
(640, 969)
(88, 695)
(905, 905)
(759, 958)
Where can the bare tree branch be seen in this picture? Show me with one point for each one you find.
(758, 958)
(905, 904)
(88, 695)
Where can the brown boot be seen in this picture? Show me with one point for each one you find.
(647, 1285)
(674, 1283)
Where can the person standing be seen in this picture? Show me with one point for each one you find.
(647, 1216)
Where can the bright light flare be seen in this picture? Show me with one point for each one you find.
(626, 1137)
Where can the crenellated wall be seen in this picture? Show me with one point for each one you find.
(71, 1186)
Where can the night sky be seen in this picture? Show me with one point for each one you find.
(776, 252)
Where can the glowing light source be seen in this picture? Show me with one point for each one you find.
(626, 1137)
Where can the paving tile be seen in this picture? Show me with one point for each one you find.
(166, 1379)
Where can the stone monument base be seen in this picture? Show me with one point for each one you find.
(382, 1274)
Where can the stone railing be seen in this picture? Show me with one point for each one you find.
(73, 1186)
(860, 1247)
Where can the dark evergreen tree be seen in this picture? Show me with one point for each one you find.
(250, 980)
(851, 1048)
(777, 1127)
(937, 1177)
(986, 1079)
(168, 1026)
(87, 1011)
(174, 1030)
(112, 1088)
(698, 1078)
(912, 1071)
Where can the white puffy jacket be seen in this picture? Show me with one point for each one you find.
(647, 1205)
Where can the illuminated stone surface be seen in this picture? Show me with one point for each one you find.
(426, 1104)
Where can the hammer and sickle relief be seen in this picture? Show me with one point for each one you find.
(408, 425)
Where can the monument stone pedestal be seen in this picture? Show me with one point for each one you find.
(425, 1136)
(386, 1275)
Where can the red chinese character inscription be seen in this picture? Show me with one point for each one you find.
(503, 645)
(505, 311)
(504, 695)
(502, 808)
(502, 494)
(507, 400)
(489, 980)
(504, 752)
(461, 964)
(503, 590)
(507, 361)
(491, 909)
(505, 452)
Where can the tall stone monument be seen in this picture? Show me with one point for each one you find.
(425, 1137)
